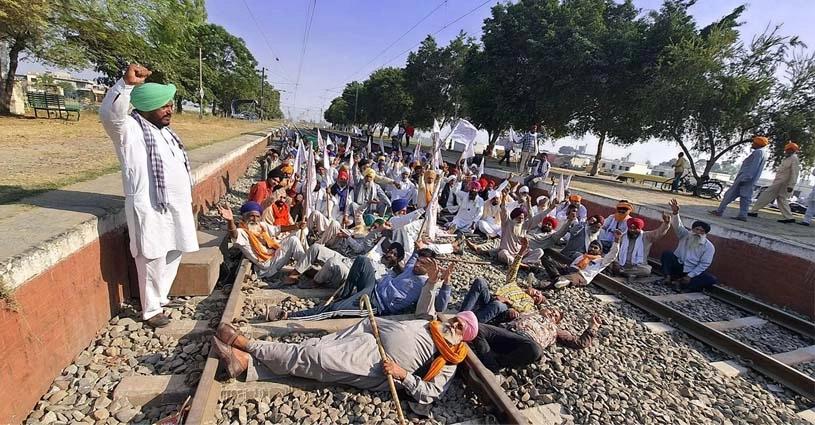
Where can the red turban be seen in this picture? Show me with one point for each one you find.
(550, 220)
(635, 223)
(342, 174)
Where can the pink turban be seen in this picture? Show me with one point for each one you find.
(550, 220)
(636, 223)
(476, 186)
(469, 325)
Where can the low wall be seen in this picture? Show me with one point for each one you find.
(60, 307)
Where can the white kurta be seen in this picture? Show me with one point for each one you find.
(152, 233)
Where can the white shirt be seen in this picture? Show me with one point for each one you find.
(152, 233)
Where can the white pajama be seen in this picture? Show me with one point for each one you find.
(156, 277)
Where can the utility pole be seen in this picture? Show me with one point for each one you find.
(262, 79)
(200, 85)
(356, 102)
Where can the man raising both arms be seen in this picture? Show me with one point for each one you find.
(156, 181)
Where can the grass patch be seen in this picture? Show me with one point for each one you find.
(41, 155)
(7, 296)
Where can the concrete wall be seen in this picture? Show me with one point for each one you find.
(60, 309)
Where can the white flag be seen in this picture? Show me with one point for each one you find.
(351, 162)
(568, 182)
(417, 151)
(308, 185)
(298, 156)
(481, 167)
(320, 142)
(433, 212)
(436, 130)
(560, 188)
(513, 136)
(327, 166)
(465, 133)
(348, 145)
(382, 145)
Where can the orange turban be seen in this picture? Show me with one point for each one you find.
(791, 146)
(287, 169)
(575, 198)
(625, 204)
(760, 141)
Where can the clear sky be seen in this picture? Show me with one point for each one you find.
(350, 38)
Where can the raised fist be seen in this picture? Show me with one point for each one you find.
(136, 74)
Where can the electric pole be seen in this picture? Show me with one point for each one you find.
(262, 79)
(200, 85)
(356, 102)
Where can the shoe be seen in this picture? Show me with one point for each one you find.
(739, 218)
(227, 354)
(562, 283)
(804, 224)
(787, 220)
(274, 313)
(715, 212)
(158, 321)
(752, 214)
(227, 333)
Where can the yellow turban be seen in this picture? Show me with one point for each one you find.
(760, 141)
(369, 173)
(287, 169)
(791, 146)
(430, 174)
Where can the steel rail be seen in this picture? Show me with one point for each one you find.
(766, 365)
(776, 315)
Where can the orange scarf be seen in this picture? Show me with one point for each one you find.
(263, 244)
(585, 260)
(448, 354)
(281, 214)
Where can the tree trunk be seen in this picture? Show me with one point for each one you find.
(493, 137)
(179, 105)
(599, 155)
(7, 86)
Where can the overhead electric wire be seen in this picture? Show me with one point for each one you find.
(268, 45)
(399, 38)
(306, 32)
(436, 32)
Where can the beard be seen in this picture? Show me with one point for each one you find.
(518, 229)
(254, 227)
(449, 335)
(696, 240)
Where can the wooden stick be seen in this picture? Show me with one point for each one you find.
(456, 260)
(375, 329)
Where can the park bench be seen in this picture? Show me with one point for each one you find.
(50, 102)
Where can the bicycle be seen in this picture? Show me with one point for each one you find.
(710, 188)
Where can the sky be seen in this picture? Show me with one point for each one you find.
(348, 39)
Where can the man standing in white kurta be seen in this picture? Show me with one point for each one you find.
(156, 181)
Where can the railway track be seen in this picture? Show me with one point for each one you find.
(778, 367)
(204, 405)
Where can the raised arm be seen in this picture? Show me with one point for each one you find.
(676, 222)
(114, 109)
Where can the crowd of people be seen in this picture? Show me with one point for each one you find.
(380, 226)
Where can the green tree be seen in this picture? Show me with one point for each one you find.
(337, 113)
(355, 111)
(713, 92)
(433, 77)
(386, 98)
(35, 30)
(482, 103)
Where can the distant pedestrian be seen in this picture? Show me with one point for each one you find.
(679, 170)
(528, 147)
(745, 181)
(409, 131)
(786, 176)
(810, 204)
(157, 184)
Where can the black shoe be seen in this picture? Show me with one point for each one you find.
(787, 220)
(158, 321)
(739, 218)
(752, 214)
(804, 224)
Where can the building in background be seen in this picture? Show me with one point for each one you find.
(65, 84)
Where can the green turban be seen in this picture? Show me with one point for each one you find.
(151, 96)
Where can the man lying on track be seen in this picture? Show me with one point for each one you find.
(257, 239)
(422, 355)
(586, 267)
(393, 294)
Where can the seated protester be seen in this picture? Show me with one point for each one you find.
(404, 228)
(508, 302)
(541, 204)
(586, 267)
(581, 235)
(635, 246)
(411, 346)
(403, 188)
(343, 199)
(425, 188)
(490, 222)
(686, 267)
(369, 196)
(514, 227)
(521, 342)
(347, 241)
(470, 208)
(540, 170)
(521, 199)
(545, 236)
(263, 189)
(574, 201)
(389, 295)
(359, 174)
(256, 239)
(278, 213)
(297, 208)
(327, 267)
(614, 222)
